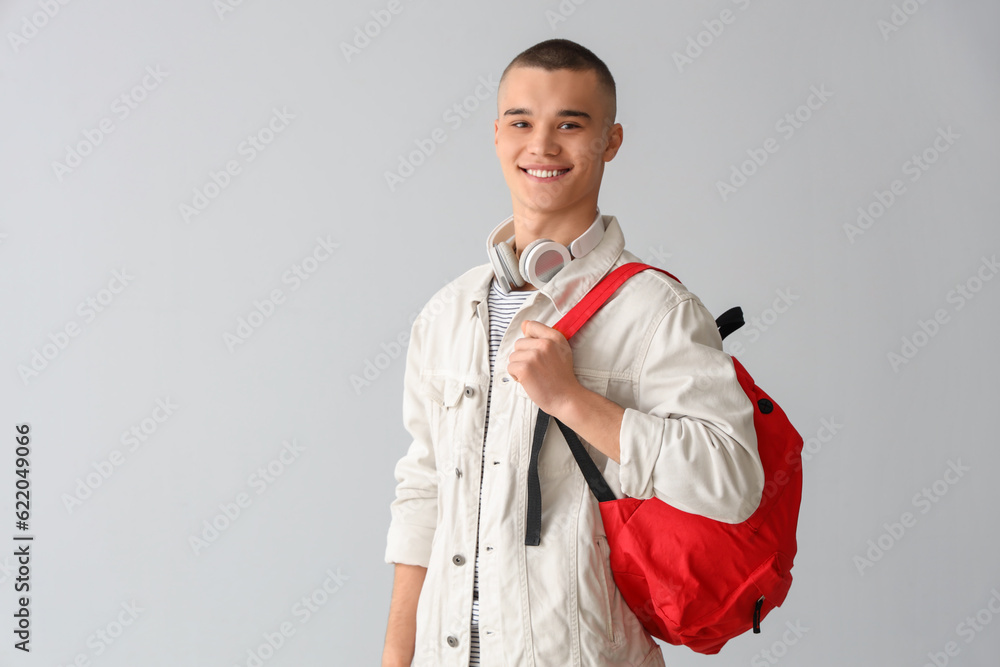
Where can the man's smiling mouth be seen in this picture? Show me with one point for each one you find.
(545, 173)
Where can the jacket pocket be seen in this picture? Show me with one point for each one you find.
(445, 393)
(555, 461)
(595, 383)
(611, 597)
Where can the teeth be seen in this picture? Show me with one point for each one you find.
(545, 174)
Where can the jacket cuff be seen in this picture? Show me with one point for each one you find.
(636, 455)
(409, 545)
(729, 493)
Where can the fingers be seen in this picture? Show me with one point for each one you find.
(535, 329)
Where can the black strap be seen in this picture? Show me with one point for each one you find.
(756, 615)
(533, 532)
(730, 321)
(595, 480)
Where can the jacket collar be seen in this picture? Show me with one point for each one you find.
(568, 286)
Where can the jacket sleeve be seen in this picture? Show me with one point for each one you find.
(691, 442)
(414, 510)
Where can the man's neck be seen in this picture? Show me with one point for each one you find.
(560, 226)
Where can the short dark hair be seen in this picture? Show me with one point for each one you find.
(555, 54)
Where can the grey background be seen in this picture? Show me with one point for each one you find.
(162, 336)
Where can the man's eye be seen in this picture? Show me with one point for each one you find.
(570, 125)
(519, 123)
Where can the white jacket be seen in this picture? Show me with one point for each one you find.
(687, 438)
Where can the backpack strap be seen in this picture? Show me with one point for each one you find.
(595, 480)
(730, 321)
(601, 292)
(568, 326)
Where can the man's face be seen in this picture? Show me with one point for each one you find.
(554, 121)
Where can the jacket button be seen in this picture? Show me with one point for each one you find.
(506, 379)
(458, 559)
(469, 392)
(458, 473)
(452, 641)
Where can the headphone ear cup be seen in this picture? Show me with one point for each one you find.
(508, 262)
(542, 259)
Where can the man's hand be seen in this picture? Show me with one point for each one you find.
(543, 363)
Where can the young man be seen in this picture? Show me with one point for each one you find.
(644, 383)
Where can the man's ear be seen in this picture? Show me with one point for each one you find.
(615, 136)
(496, 133)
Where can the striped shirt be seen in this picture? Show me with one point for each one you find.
(501, 310)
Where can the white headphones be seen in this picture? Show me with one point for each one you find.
(541, 259)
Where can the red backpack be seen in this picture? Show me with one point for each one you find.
(689, 579)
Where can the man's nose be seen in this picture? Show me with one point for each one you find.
(544, 141)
